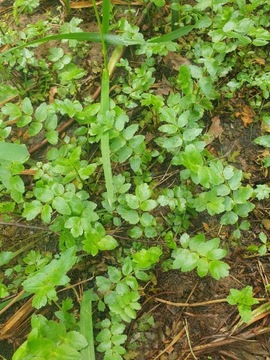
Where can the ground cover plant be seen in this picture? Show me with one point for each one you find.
(117, 165)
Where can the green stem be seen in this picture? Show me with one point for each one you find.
(86, 325)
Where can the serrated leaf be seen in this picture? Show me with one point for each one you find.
(34, 128)
(202, 267)
(148, 205)
(235, 181)
(229, 218)
(190, 262)
(263, 140)
(107, 243)
(132, 201)
(61, 205)
(27, 107)
(216, 254)
(242, 194)
(147, 257)
(129, 215)
(31, 210)
(143, 192)
(43, 194)
(12, 110)
(218, 269)
(43, 282)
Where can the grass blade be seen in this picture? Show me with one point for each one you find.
(106, 8)
(173, 35)
(105, 139)
(95, 37)
(86, 325)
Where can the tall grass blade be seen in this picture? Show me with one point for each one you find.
(173, 35)
(86, 325)
(105, 99)
(95, 37)
(106, 8)
(105, 139)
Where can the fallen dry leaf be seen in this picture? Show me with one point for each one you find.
(246, 115)
(214, 131)
(266, 223)
(174, 61)
(52, 92)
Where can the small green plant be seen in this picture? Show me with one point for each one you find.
(204, 256)
(244, 300)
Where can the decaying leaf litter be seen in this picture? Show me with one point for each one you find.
(191, 318)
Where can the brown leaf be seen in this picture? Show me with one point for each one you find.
(266, 223)
(174, 61)
(214, 131)
(246, 115)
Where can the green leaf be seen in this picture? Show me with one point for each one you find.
(173, 35)
(218, 269)
(12, 110)
(190, 262)
(235, 181)
(52, 137)
(46, 213)
(242, 194)
(13, 152)
(107, 243)
(243, 209)
(61, 205)
(191, 158)
(143, 192)
(115, 274)
(132, 201)
(76, 340)
(41, 112)
(24, 120)
(244, 300)
(103, 284)
(31, 210)
(206, 85)
(203, 22)
(3, 291)
(5, 257)
(86, 325)
(216, 206)
(262, 191)
(43, 194)
(27, 107)
(135, 233)
(148, 205)
(186, 83)
(191, 134)
(43, 282)
(229, 218)
(216, 254)
(202, 267)
(263, 140)
(147, 257)
(34, 128)
(129, 215)
(228, 172)
(147, 219)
